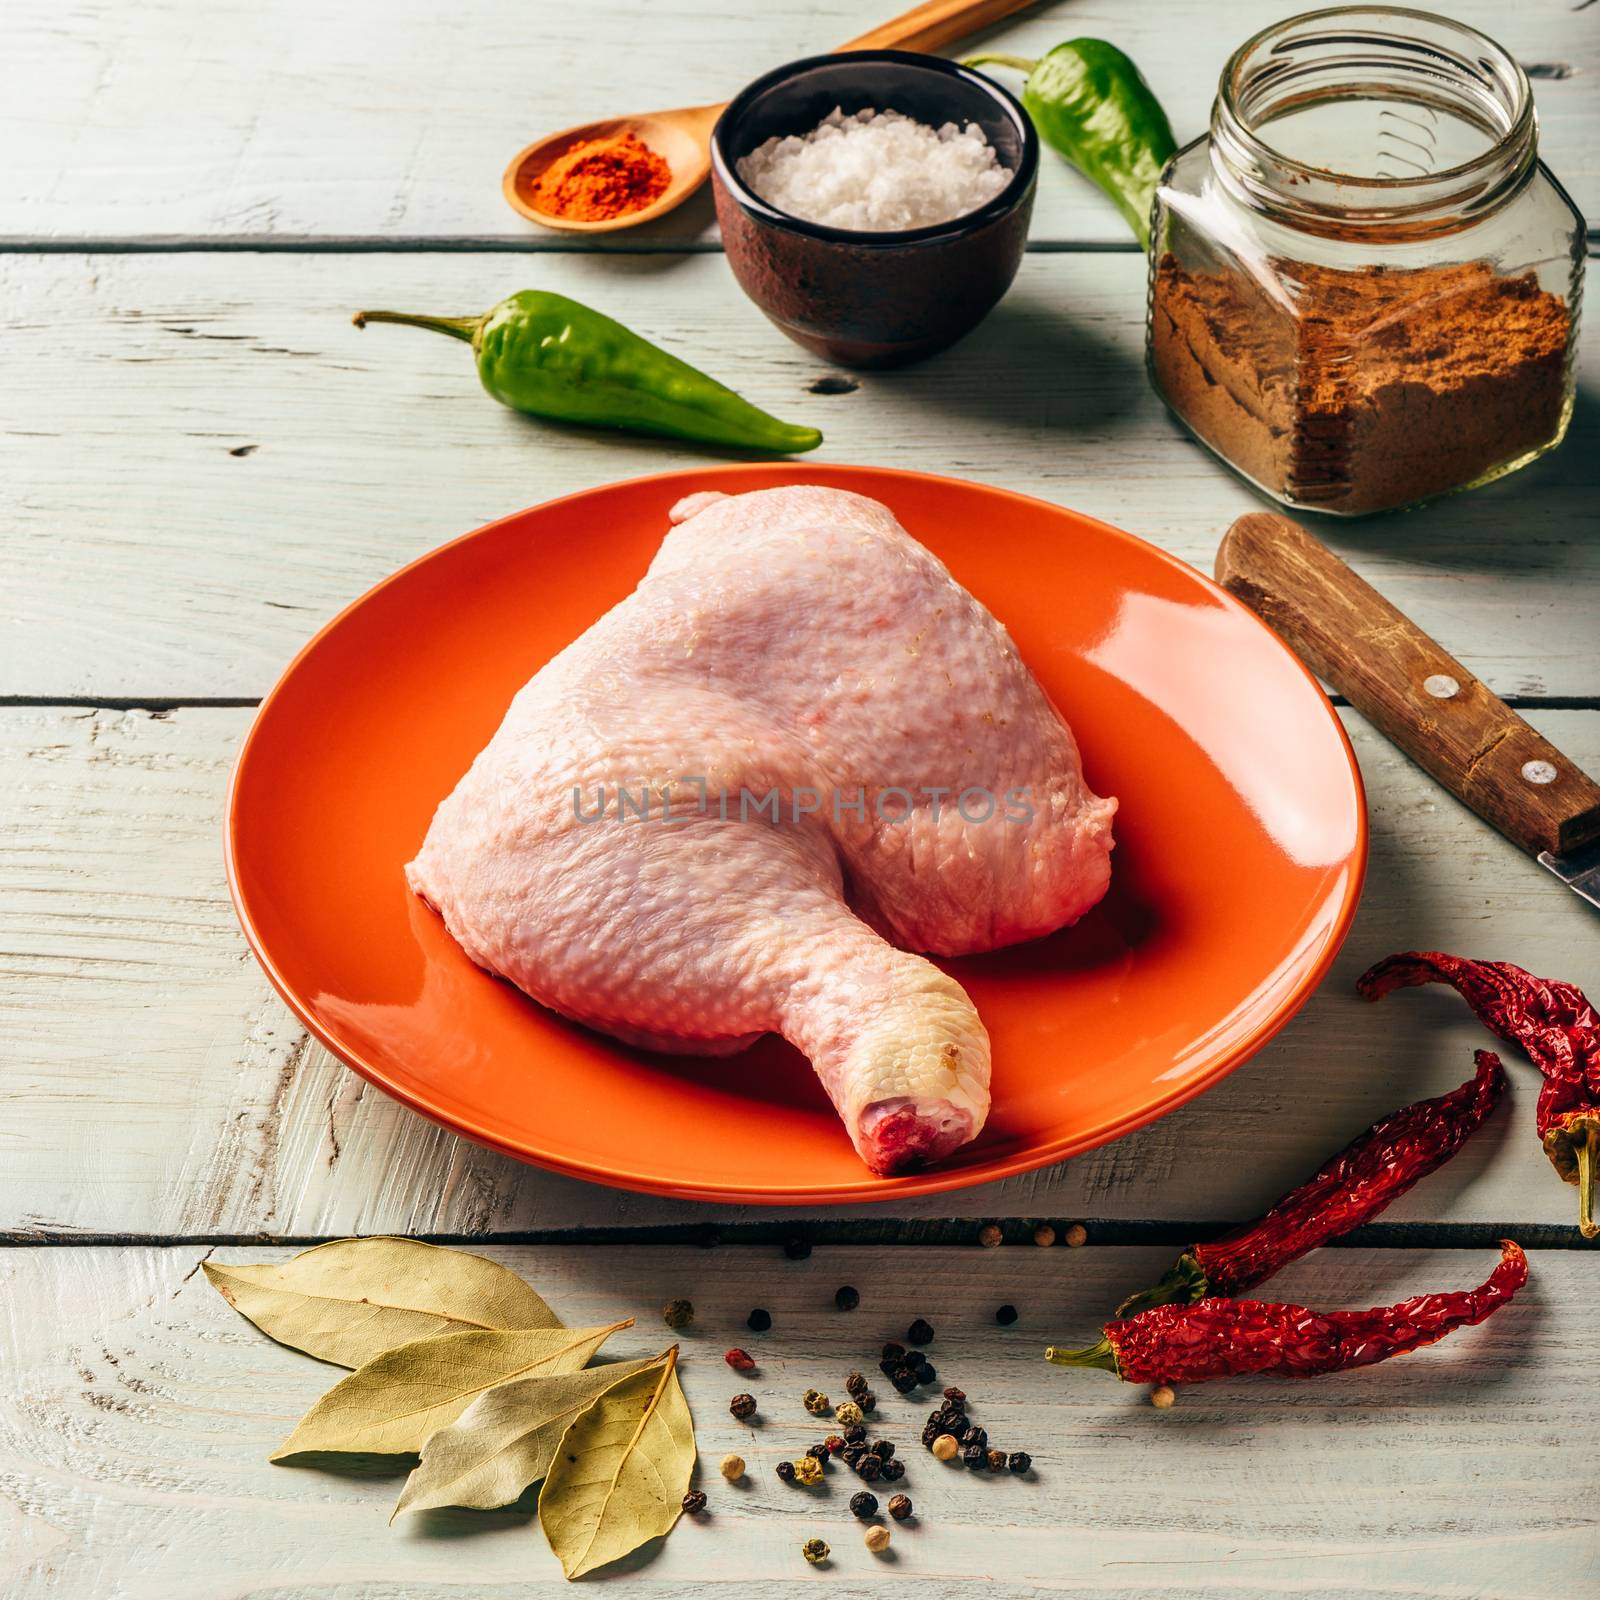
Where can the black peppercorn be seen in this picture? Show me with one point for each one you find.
(867, 1400)
(889, 1366)
(786, 1471)
(863, 1505)
(847, 1297)
(1019, 1461)
(977, 1436)
(820, 1452)
(758, 1321)
(920, 1332)
(678, 1313)
(975, 1457)
(956, 1397)
(868, 1467)
(899, 1507)
(894, 1352)
(743, 1406)
(852, 1453)
(854, 1384)
(1006, 1315)
(694, 1502)
(893, 1471)
(930, 1432)
(926, 1374)
(855, 1434)
(883, 1450)
(997, 1460)
(903, 1379)
(796, 1249)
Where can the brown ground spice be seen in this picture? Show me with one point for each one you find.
(1380, 386)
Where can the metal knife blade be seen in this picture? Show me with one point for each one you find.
(1580, 871)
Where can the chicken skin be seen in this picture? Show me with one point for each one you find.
(796, 754)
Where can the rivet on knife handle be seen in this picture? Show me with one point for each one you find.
(1401, 680)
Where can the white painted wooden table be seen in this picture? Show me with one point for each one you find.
(200, 461)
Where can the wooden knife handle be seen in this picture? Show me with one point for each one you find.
(1401, 680)
(936, 24)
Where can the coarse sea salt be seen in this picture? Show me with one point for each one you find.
(877, 171)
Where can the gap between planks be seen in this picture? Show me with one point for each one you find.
(377, 244)
(159, 705)
(860, 1232)
(489, 244)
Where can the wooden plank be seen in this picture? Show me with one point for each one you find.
(155, 1087)
(204, 460)
(139, 1410)
(288, 123)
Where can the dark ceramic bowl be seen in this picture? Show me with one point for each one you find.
(873, 299)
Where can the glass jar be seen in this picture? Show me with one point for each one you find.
(1364, 285)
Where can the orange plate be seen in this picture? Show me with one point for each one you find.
(1241, 842)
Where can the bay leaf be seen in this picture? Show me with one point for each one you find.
(504, 1440)
(396, 1402)
(619, 1474)
(351, 1300)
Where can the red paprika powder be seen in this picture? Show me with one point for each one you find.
(602, 178)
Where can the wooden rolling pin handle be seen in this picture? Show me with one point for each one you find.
(936, 24)
(1401, 680)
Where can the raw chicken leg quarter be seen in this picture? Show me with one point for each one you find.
(798, 752)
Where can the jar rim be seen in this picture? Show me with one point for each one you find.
(1477, 184)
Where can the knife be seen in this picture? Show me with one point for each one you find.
(1421, 697)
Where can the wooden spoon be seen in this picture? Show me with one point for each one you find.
(683, 138)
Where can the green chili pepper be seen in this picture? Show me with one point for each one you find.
(551, 356)
(1090, 102)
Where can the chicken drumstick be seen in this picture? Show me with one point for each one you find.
(797, 752)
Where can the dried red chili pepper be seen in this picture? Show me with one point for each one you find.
(1365, 1177)
(1356, 1185)
(1553, 1023)
(1221, 1338)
